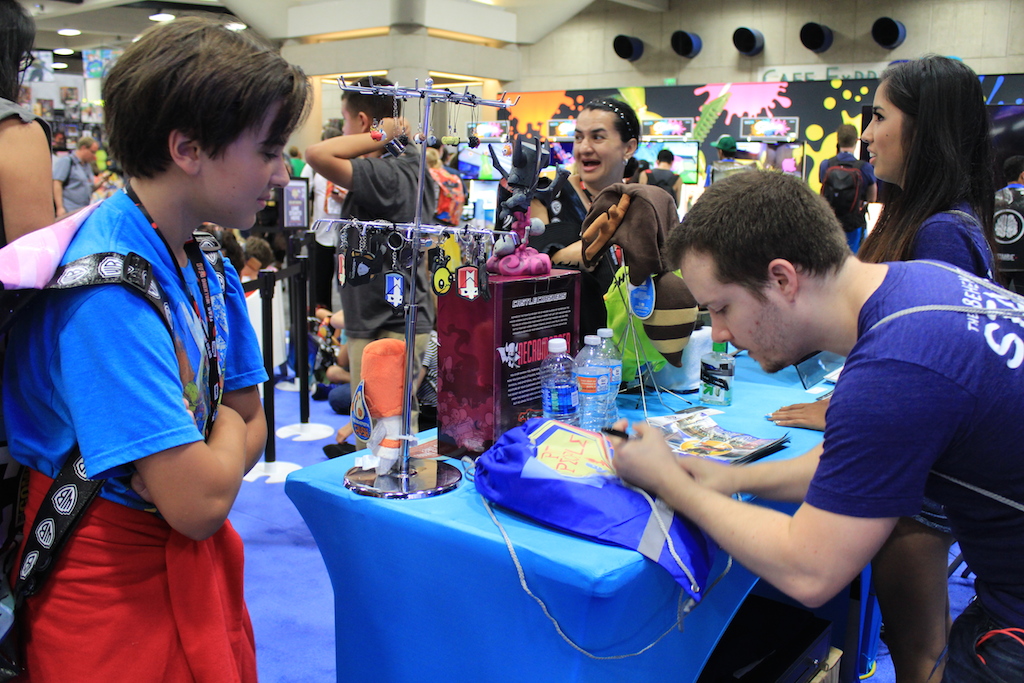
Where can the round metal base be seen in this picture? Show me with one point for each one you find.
(426, 478)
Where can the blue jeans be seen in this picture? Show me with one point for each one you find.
(998, 659)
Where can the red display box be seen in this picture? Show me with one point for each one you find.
(489, 355)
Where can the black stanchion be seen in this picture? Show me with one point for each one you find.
(266, 280)
(301, 318)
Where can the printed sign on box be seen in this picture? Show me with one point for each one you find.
(490, 353)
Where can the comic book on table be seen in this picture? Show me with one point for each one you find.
(695, 432)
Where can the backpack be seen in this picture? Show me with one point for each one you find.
(451, 197)
(29, 265)
(663, 178)
(843, 188)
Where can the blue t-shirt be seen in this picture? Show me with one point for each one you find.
(957, 239)
(96, 366)
(935, 390)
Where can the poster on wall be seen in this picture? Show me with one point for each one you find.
(43, 108)
(41, 68)
(92, 112)
(96, 63)
(72, 106)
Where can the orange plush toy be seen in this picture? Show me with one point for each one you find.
(383, 384)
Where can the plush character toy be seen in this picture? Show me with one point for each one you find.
(383, 385)
(512, 254)
(638, 218)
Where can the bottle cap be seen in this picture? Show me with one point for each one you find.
(557, 345)
(592, 340)
(720, 347)
(605, 333)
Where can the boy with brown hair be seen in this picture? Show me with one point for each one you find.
(164, 408)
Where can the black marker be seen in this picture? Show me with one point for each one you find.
(615, 432)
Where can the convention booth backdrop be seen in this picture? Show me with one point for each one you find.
(816, 108)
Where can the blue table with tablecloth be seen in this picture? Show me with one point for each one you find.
(426, 590)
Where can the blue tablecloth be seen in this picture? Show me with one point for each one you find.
(425, 590)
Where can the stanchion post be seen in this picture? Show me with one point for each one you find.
(302, 338)
(267, 279)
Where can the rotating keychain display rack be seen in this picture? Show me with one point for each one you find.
(428, 477)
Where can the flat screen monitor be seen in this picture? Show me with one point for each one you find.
(561, 154)
(475, 163)
(749, 149)
(685, 152)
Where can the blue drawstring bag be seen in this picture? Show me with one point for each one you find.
(562, 476)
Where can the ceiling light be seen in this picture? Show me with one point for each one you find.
(161, 16)
(64, 51)
(236, 26)
(69, 32)
(60, 65)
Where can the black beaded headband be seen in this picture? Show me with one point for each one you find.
(632, 127)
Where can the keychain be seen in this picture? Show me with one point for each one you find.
(394, 280)
(364, 263)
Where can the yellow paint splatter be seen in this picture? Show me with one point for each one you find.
(836, 83)
(857, 98)
(829, 103)
(847, 94)
(813, 132)
(864, 90)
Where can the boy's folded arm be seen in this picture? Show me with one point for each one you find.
(194, 485)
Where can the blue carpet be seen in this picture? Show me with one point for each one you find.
(289, 592)
(286, 584)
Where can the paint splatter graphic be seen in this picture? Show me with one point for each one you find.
(747, 99)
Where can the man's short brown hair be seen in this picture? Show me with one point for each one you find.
(196, 76)
(846, 135)
(85, 143)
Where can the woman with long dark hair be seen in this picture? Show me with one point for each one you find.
(929, 139)
(26, 194)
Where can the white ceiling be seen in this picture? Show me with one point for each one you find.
(113, 23)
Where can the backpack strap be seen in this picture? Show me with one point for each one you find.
(59, 513)
(132, 271)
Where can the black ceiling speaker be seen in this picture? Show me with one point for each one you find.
(889, 33)
(816, 37)
(749, 41)
(686, 44)
(628, 47)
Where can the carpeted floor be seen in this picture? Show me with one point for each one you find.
(287, 587)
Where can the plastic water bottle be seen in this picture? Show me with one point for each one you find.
(558, 384)
(593, 378)
(717, 370)
(611, 357)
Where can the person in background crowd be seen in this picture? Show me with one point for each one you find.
(327, 202)
(295, 161)
(26, 198)
(726, 164)
(169, 421)
(662, 175)
(928, 137)
(73, 177)
(846, 144)
(1009, 223)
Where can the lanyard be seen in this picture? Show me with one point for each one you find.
(208, 322)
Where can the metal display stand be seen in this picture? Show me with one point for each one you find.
(427, 477)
